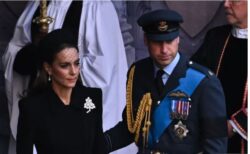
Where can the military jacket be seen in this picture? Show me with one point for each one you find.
(206, 122)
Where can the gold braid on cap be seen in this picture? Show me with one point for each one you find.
(143, 112)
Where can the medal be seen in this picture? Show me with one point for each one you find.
(180, 130)
(180, 104)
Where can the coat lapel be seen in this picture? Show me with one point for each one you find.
(179, 72)
(77, 100)
(151, 78)
(144, 80)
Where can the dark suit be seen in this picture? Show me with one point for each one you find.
(232, 73)
(206, 121)
(55, 128)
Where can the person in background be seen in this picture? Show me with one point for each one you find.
(224, 51)
(60, 115)
(173, 104)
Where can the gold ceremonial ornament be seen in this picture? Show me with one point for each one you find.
(43, 20)
(143, 112)
(162, 26)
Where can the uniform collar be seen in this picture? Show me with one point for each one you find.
(169, 68)
(240, 33)
(177, 73)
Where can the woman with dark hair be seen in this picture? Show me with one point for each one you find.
(59, 115)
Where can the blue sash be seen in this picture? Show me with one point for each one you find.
(161, 117)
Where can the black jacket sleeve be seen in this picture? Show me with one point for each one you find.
(99, 138)
(24, 130)
(118, 136)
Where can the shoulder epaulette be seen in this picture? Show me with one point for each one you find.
(200, 68)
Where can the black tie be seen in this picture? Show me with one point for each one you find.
(159, 82)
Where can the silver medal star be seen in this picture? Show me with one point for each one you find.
(180, 130)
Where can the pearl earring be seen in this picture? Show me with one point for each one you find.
(49, 78)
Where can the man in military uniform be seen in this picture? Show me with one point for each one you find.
(173, 104)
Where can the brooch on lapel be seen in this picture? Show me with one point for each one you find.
(89, 105)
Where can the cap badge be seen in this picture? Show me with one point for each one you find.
(162, 26)
(180, 130)
(89, 105)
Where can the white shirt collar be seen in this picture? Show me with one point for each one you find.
(240, 33)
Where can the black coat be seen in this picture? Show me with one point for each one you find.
(232, 74)
(55, 128)
(206, 121)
